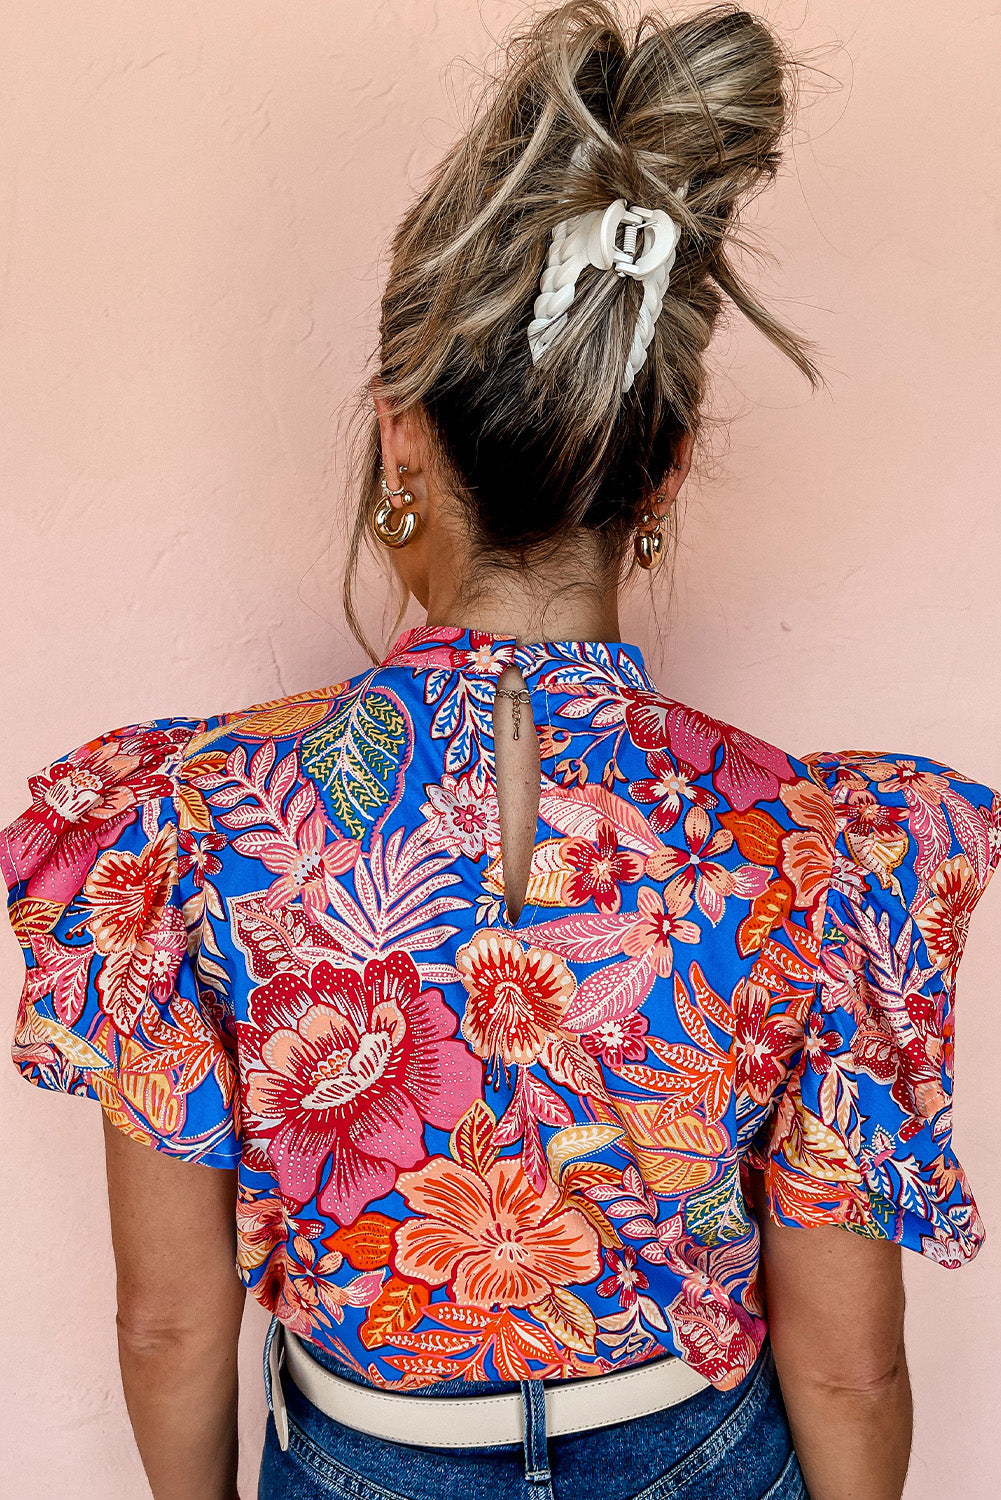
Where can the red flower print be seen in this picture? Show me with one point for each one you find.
(517, 997)
(81, 806)
(661, 920)
(669, 786)
(761, 1044)
(481, 655)
(818, 1044)
(347, 1068)
(198, 855)
(492, 1237)
(751, 770)
(142, 937)
(618, 1041)
(599, 869)
(944, 919)
(624, 1279)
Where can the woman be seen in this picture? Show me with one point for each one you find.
(570, 1094)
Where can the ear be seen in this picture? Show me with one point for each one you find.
(675, 477)
(401, 436)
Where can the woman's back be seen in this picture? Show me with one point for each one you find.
(496, 1149)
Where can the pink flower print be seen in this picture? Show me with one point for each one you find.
(460, 816)
(79, 807)
(347, 1068)
(661, 920)
(751, 770)
(303, 864)
(198, 855)
(699, 873)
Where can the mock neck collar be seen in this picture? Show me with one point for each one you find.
(481, 653)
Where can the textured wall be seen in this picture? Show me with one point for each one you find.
(194, 204)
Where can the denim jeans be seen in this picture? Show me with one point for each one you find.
(716, 1445)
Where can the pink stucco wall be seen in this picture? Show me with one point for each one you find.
(194, 203)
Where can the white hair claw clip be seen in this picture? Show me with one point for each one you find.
(591, 239)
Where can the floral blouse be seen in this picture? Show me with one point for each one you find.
(275, 940)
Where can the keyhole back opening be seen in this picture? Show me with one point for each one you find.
(517, 770)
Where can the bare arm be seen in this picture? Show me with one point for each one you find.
(180, 1303)
(836, 1318)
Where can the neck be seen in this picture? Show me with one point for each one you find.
(559, 600)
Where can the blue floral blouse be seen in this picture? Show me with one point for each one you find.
(275, 940)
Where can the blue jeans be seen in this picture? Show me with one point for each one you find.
(716, 1445)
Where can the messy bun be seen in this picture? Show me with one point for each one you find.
(579, 113)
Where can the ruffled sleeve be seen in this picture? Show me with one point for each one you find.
(107, 909)
(862, 1131)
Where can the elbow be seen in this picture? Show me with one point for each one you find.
(147, 1331)
(147, 1325)
(863, 1375)
(866, 1382)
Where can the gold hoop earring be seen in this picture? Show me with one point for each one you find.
(648, 543)
(400, 534)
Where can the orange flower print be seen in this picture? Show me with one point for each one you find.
(944, 919)
(599, 869)
(661, 922)
(493, 1238)
(142, 937)
(517, 997)
(347, 1068)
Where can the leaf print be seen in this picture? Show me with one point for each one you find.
(578, 1140)
(718, 1213)
(358, 756)
(547, 876)
(472, 1142)
(367, 1243)
(568, 1318)
(79, 1052)
(579, 813)
(609, 995)
(767, 910)
(282, 940)
(62, 972)
(399, 1306)
(583, 939)
(756, 833)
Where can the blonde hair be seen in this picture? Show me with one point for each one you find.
(536, 451)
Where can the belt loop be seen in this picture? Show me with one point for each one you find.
(533, 1397)
(274, 1351)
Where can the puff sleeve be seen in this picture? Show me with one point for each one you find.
(108, 910)
(862, 1131)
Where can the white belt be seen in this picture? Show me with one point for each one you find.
(476, 1421)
